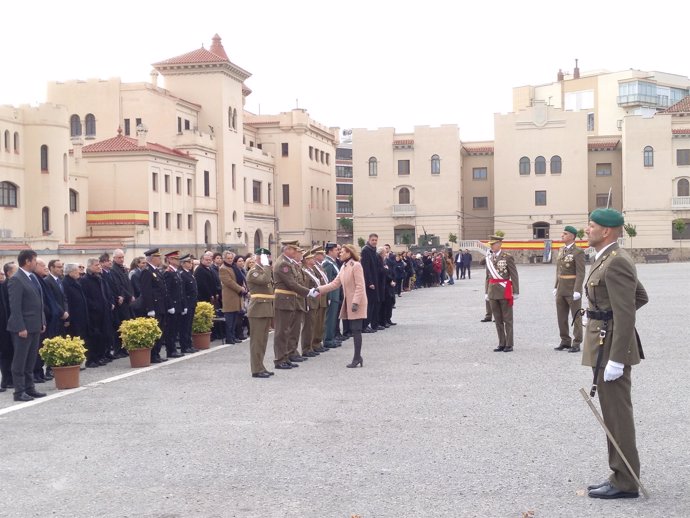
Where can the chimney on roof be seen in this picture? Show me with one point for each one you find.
(142, 132)
(154, 78)
(576, 71)
(217, 48)
(560, 75)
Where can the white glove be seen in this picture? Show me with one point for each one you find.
(151, 314)
(555, 290)
(576, 296)
(184, 311)
(171, 311)
(313, 293)
(613, 371)
(263, 259)
(516, 296)
(486, 297)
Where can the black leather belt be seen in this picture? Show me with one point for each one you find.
(599, 315)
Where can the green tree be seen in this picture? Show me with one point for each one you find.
(679, 226)
(406, 239)
(452, 238)
(631, 230)
(346, 224)
(581, 233)
(361, 242)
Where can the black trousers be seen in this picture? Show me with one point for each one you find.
(373, 308)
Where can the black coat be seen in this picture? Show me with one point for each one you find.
(189, 288)
(78, 314)
(5, 337)
(372, 266)
(174, 292)
(135, 279)
(153, 291)
(205, 283)
(51, 309)
(124, 288)
(99, 304)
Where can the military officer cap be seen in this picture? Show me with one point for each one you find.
(185, 258)
(330, 246)
(571, 229)
(317, 250)
(308, 255)
(292, 244)
(607, 217)
(260, 251)
(495, 239)
(175, 254)
(152, 252)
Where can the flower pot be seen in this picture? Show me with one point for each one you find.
(201, 340)
(66, 377)
(140, 357)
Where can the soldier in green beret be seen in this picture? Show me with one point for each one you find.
(611, 346)
(570, 274)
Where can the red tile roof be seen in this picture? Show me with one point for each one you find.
(681, 131)
(478, 149)
(124, 144)
(682, 106)
(603, 144)
(196, 56)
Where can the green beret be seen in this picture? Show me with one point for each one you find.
(607, 217)
(571, 229)
(260, 251)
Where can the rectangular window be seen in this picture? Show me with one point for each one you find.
(343, 207)
(343, 189)
(286, 195)
(323, 156)
(167, 221)
(186, 124)
(602, 200)
(479, 173)
(166, 183)
(179, 124)
(328, 159)
(138, 123)
(403, 167)
(234, 178)
(603, 169)
(189, 186)
(270, 194)
(480, 202)
(590, 122)
(73, 200)
(683, 157)
(284, 149)
(343, 171)
(155, 220)
(178, 185)
(189, 222)
(154, 182)
(256, 191)
(328, 200)
(127, 131)
(244, 188)
(540, 197)
(179, 222)
(311, 152)
(207, 184)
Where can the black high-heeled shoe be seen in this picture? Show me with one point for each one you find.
(355, 363)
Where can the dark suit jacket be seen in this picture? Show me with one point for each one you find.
(57, 293)
(5, 339)
(189, 288)
(79, 312)
(135, 279)
(26, 305)
(372, 266)
(152, 291)
(99, 304)
(205, 283)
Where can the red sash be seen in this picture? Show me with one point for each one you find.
(508, 292)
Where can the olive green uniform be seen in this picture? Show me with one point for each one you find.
(320, 320)
(612, 286)
(259, 313)
(288, 306)
(570, 274)
(501, 307)
(311, 309)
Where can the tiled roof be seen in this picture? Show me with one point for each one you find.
(124, 144)
(603, 144)
(682, 106)
(681, 131)
(196, 56)
(403, 142)
(478, 149)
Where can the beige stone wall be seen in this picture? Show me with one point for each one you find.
(477, 222)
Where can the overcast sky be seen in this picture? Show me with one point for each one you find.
(356, 64)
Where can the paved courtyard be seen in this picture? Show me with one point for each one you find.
(434, 425)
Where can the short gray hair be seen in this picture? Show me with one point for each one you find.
(228, 253)
(91, 261)
(70, 267)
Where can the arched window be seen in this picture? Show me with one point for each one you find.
(540, 165)
(435, 164)
(257, 239)
(74, 126)
(404, 196)
(45, 219)
(7, 140)
(540, 230)
(229, 118)
(16, 142)
(207, 233)
(373, 166)
(44, 158)
(90, 125)
(234, 119)
(524, 166)
(8, 194)
(555, 164)
(73, 201)
(683, 187)
(648, 156)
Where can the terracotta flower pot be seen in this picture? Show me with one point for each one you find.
(66, 377)
(140, 357)
(201, 340)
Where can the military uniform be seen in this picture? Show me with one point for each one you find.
(570, 274)
(311, 280)
(176, 301)
(190, 291)
(317, 341)
(260, 314)
(153, 299)
(288, 316)
(331, 269)
(614, 294)
(502, 285)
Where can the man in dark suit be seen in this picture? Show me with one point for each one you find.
(54, 322)
(123, 287)
(153, 297)
(26, 323)
(54, 282)
(372, 266)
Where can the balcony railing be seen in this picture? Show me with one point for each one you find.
(680, 202)
(660, 101)
(404, 211)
